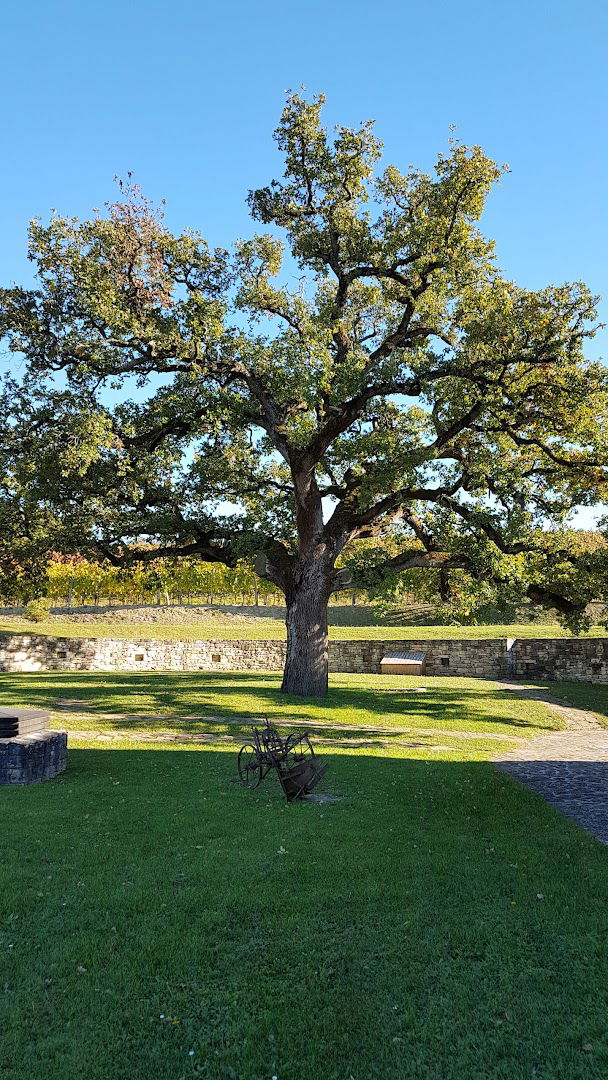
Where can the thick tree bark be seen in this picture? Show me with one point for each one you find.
(306, 662)
(307, 579)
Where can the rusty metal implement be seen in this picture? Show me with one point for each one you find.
(293, 759)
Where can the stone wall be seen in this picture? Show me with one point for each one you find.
(35, 652)
(444, 656)
(578, 659)
(584, 659)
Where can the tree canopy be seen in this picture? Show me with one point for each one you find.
(357, 367)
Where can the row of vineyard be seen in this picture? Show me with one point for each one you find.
(74, 581)
(78, 581)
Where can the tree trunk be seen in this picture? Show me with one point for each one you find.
(306, 662)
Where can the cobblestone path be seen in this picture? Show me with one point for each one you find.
(569, 768)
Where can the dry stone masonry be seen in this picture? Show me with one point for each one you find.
(584, 659)
(29, 752)
(29, 759)
(578, 659)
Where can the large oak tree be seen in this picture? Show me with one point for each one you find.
(360, 366)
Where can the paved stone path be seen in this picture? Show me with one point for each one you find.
(219, 738)
(569, 768)
(313, 727)
(363, 735)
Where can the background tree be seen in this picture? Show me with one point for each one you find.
(401, 380)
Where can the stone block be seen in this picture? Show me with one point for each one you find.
(30, 759)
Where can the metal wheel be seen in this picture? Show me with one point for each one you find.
(250, 770)
(299, 745)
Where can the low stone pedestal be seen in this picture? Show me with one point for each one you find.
(31, 758)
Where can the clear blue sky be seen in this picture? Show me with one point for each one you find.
(186, 95)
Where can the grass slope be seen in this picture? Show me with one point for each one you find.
(269, 629)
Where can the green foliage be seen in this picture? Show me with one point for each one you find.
(403, 380)
(38, 610)
(85, 581)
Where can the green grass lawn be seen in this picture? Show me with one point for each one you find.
(194, 702)
(267, 629)
(158, 921)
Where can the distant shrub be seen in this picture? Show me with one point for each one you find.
(38, 610)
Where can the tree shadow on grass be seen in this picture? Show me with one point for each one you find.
(153, 899)
(193, 700)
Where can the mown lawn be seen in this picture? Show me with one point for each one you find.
(434, 921)
(194, 702)
(266, 629)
